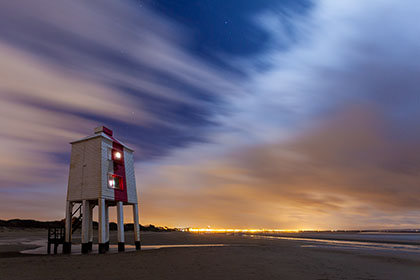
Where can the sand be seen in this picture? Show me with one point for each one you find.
(243, 257)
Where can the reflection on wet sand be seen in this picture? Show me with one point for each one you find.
(77, 250)
(344, 244)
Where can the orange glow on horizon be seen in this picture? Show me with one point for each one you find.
(223, 230)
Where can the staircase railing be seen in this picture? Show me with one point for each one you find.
(55, 237)
(56, 234)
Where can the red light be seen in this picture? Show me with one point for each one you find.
(115, 182)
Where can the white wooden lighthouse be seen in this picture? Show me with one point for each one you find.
(101, 174)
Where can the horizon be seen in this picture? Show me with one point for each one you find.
(210, 229)
(269, 114)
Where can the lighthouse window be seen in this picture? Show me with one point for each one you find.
(115, 181)
(117, 155)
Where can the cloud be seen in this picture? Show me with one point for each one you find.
(343, 52)
(323, 135)
(69, 66)
(344, 171)
(328, 139)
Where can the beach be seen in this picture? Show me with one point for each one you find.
(236, 257)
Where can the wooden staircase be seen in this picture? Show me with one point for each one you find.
(56, 235)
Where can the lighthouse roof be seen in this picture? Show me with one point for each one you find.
(104, 132)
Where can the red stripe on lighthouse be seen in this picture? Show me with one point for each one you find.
(119, 170)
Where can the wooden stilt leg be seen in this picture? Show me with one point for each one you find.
(120, 221)
(136, 226)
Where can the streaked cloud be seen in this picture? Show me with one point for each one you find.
(68, 66)
(319, 130)
(327, 139)
(344, 171)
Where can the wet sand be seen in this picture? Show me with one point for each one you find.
(244, 257)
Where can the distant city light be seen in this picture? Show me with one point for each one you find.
(223, 230)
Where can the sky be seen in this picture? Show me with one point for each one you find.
(286, 114)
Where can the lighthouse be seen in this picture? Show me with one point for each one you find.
(101, 174)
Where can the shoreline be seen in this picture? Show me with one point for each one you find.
(379, 241)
